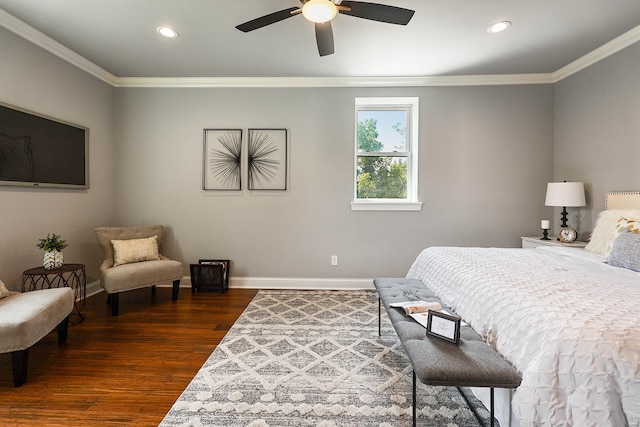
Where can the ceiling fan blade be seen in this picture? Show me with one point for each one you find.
(269, 19)
(378, 12)
(324, 38)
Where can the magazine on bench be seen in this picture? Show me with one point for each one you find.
(411, 307)
(419, 310)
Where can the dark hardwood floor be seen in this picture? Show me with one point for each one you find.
(120, 371)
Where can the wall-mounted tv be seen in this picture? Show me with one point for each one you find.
(40, 151)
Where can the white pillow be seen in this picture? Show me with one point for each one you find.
(605, 230)
(135, 250)
(4, 292)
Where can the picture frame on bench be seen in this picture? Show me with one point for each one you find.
(443, 326)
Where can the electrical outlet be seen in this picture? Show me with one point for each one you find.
(334, 259)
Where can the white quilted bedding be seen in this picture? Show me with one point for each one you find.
(567, 321)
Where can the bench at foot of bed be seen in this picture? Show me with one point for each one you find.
(471, 363)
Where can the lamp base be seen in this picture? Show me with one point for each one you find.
(563, 216)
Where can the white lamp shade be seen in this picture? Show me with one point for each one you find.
(565, 194)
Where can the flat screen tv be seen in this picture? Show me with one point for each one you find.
(40, 151)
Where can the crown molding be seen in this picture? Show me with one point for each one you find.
(625, 40)
(29, 33)
(47, 43)
(292, 82)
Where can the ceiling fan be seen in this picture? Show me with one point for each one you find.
(321, 12)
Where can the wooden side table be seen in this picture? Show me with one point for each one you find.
(70, 275)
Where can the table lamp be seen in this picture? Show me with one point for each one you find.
(565, 194)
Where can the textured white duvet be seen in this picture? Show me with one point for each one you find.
(567, 321)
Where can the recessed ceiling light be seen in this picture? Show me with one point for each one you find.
(498, 27)
(167, 32)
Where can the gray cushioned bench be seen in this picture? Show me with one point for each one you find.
(472, 363)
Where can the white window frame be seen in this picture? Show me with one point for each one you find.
(411, 203)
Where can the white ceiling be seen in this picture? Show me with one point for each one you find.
(444, 38)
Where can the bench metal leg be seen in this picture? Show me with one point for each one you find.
(491, 404)
(379, 318)
(414, 398)
(472, 408)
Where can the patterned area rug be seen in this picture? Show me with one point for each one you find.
(314, 358)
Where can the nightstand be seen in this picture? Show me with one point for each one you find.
(532, 242)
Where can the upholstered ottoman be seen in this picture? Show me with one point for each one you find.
(26, 318)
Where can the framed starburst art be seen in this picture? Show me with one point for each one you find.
(222, 159)
(267, 159)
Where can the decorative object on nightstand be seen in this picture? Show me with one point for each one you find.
(567, 235)
(52, 246)
(544, 225)
(563, 194)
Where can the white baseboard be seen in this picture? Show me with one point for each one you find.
(302, 283)
(93, 288)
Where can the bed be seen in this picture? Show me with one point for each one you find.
(567, 319)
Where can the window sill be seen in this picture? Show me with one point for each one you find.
(380, 205)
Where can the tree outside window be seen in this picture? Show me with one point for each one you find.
(382, 156)
(386, 154)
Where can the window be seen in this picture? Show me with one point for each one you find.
(386, 154)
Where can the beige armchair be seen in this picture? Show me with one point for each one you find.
(136, 261)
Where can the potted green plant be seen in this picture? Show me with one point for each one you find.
(52, 246)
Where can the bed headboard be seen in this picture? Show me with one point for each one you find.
(622, 200)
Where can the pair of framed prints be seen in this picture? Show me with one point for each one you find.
(265, 159)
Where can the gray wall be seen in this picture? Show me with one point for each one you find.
(485, 158)
(486, 154)
(597, 131)
(35, 80)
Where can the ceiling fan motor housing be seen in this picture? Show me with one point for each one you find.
(321, 12)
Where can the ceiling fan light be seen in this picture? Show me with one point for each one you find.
(319, 10)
